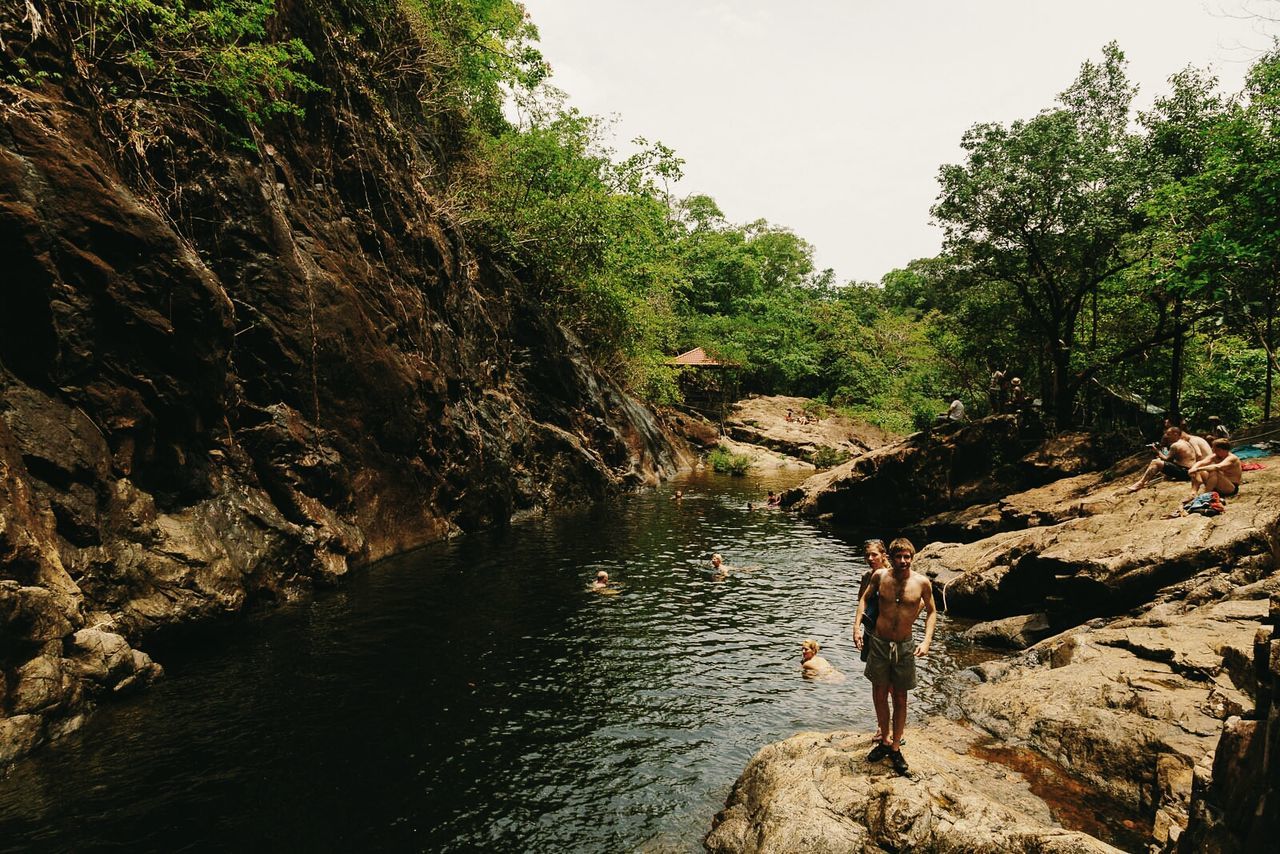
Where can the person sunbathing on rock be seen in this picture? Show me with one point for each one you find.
(891, 658)
(1221, 473)
(1199, 446)
(814, 665)
(1173, 464)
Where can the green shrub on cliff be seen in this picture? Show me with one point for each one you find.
(216, 54)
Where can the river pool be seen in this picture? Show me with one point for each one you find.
(473, 695)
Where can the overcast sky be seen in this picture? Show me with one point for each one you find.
(833, 116)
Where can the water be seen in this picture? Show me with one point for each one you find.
(474, 696)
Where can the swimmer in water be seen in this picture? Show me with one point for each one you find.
(812, 664)
(719, 569)
(602, 581)
(679, 496)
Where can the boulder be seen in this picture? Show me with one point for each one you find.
(1130, 706)
(1011, 632)
(815, 792)
(923, 474)
(1114, 550)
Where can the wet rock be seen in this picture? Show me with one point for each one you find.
(816, 793)
(1011, 632)
(19, 735)
(924, 474)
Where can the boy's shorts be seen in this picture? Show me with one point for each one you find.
(888, 661)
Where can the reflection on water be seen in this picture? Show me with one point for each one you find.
(474, 695)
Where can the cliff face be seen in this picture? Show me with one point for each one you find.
(230, 374)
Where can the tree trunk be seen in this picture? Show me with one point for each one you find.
(1271, 344)
(1175, 370)
(1063, 389)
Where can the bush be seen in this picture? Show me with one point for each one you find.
(726, 461)
(825, 458)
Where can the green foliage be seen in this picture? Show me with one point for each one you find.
(825, 457)
(218, 52)
(726, 461)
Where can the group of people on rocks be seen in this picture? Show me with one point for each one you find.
(1006, 392)
(891, 596)
(1206, 462)
(802, 418)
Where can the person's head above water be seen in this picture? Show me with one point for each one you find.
(875, 553)
(809, 648)
(602, 577)
(716, 560)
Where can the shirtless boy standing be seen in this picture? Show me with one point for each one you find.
(891, 664)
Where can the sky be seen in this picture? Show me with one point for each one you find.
(831, 117)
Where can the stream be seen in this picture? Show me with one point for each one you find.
(474, 695)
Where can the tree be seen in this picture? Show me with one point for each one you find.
(1049, 207)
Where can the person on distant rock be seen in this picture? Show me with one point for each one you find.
(791, 416)
(891, 665)
(1174, 463)
(1217, 430)
(812, 664)
(1017, 395)
(1221, 473)
(996, 390)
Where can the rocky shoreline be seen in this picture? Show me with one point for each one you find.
(1148, 682)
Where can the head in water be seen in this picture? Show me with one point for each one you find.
(716, 560)
(809, 648)
(602, 577)
(875, 553)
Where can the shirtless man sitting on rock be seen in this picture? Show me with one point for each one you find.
(1174, 464)
(891, 664)
(1220, 473)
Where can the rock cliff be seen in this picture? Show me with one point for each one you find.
(231, 374)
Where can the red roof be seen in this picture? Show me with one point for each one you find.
(696, 356)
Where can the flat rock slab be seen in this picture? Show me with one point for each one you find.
(763, 421)
(1113, 551)
(815, 792)
(1129, 707)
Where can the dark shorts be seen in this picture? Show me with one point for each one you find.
(1173, 471)
(1235, 490)
(892, 662)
